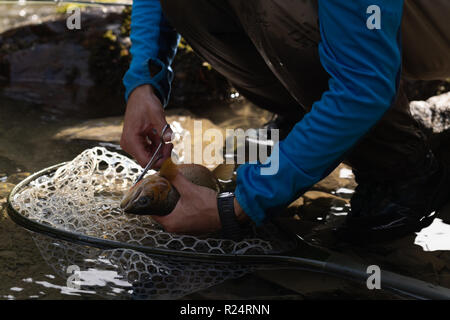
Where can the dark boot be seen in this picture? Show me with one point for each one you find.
(388, 209)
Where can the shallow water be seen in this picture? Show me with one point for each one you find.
(31, 265)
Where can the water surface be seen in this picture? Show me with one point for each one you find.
(30, 265)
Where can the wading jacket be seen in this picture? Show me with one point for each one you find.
(364, 67)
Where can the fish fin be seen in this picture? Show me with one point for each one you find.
(168, 169)
(224, 172)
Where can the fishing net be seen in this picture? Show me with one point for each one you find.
(82, 197)
(130, 274)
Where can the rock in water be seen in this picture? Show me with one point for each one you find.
(68, 71)
(79, 72)
(433, 114)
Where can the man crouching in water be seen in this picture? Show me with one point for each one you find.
(332, 71)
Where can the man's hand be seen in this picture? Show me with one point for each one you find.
(145, 116)
(196, 211)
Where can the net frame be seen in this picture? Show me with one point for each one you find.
(101, 243)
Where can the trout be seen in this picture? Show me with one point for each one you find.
(155, 195)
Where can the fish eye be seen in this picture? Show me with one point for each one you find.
(143, 201)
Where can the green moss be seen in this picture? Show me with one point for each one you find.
(63, 8)
(125, 28)
(184, 46)
(110, 58)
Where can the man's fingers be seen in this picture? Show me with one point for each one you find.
(155, 138)
(166, 221)
(142, 149)
(138, 147)
(143, 124)
(161, 219)
(155, 134)
(165, 153)
(168, 135)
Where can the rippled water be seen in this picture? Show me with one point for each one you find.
(30, 265)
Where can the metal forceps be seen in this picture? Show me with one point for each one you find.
(154, 158)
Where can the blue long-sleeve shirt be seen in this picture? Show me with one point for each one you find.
(364, 65)
(154, 44)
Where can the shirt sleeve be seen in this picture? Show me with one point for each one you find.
(364, 67)
(153, 47)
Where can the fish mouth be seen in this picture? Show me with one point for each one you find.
(143, 197)
(127, 206)
(130, 199)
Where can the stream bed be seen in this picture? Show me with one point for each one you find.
(34, 136)
(32, 139)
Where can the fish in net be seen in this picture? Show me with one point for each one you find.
(83, 197)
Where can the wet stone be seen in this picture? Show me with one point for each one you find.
(317, 205)
(294, 208)
(323, 201)
(5, 189)
(336, 180)
(17, 177)
(433, 114)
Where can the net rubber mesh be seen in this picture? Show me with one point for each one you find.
(83, 196)
(130, 274)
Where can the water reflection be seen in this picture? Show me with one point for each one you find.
(129, 274)
(435, 237)
(13, 15)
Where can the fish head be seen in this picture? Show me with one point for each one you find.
(149, 197)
